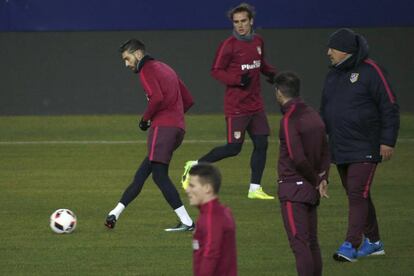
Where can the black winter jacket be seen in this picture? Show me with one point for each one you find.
(359, 109)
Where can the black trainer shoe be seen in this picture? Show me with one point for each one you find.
(110, 221)
(181, 227)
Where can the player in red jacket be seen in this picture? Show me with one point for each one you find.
(168, 100)
(214, 240)
(238, 64)
(303, 169)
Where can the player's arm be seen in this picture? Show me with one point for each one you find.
(323, 104)
(265, 68)
(325, 160)
(154, 94)
(188, 101)
(296, 151)
(322, 186)
(221, 62)
(389, 110)
(212, 253)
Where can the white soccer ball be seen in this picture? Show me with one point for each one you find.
(63, 221)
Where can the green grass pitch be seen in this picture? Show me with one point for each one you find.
(84, 163)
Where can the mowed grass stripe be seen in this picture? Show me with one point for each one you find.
(101, 142)
(192, 141)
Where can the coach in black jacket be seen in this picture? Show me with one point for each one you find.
(361, 115)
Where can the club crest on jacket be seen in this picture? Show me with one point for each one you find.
(354, 77)
(196, 245)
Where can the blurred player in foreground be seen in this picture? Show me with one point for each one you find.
(214, 240)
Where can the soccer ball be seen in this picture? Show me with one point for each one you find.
(63, 221)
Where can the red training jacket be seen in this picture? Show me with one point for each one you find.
(214, 241)
(234, 58)
(303, 153)
(168, 97)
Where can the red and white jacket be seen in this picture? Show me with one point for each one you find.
(233, 59)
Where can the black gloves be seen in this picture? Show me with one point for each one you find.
(144, 125)
(245, 80)
(270, 78)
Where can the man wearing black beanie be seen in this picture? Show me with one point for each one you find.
(344, 40)
(361, 115)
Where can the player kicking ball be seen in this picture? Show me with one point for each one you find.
(168, 100)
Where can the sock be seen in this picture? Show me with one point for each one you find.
(183, 215)
(254, 187)
(117, 210)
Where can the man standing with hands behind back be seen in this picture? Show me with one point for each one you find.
(303, 169)
(238, 64)
(362, 120)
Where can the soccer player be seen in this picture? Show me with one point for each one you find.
(361, 115)
(238, 64)
(168, 100)
(303, 169)
(214, 240)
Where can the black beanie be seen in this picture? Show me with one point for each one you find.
(344, 40)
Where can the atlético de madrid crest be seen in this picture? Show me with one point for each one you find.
(259, 50)
(354, 77)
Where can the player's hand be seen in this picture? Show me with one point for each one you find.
(323, 189)
(245, 80)
(386, 152)
(144, 125)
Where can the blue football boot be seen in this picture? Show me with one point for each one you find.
(369, 248)
(345, 253)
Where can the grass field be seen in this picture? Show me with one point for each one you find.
(84, 163)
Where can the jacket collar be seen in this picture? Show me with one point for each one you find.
(248, 37)
(143, 61)
(291, 102)
(204, 207)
